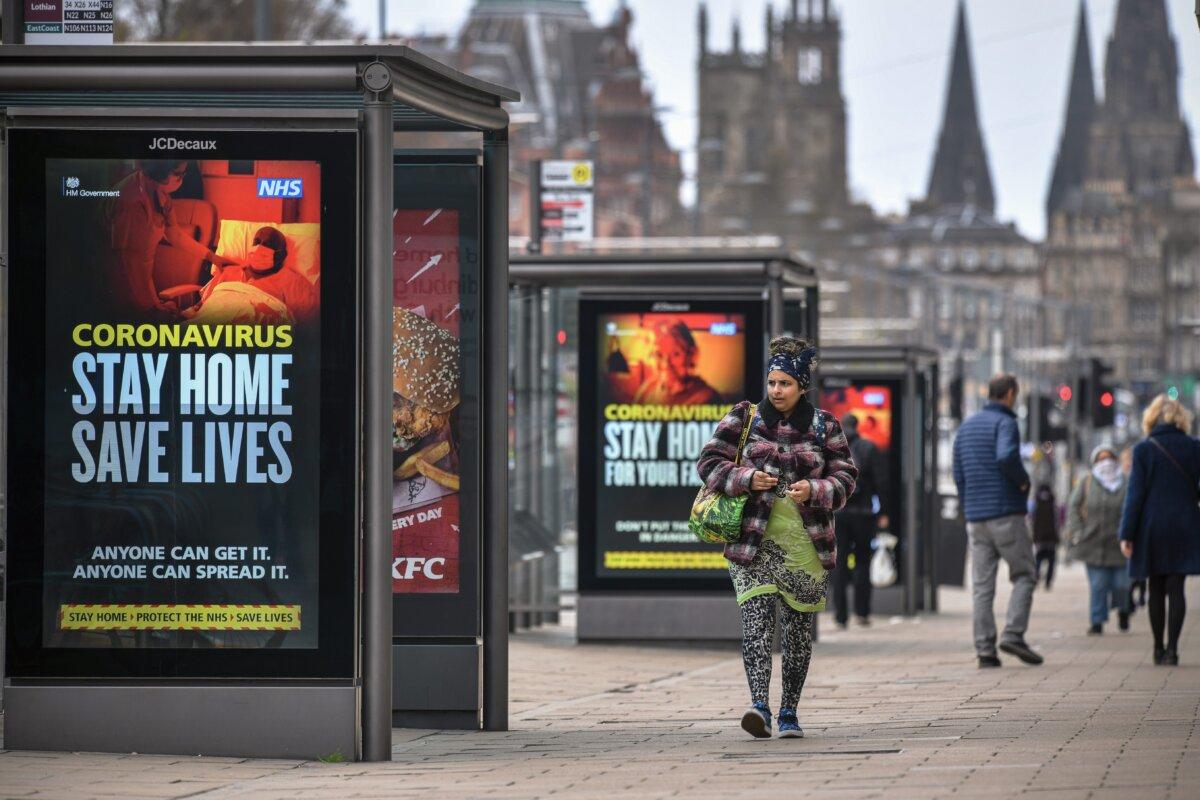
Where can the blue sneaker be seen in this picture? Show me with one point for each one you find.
(757, 721)
(789, 726)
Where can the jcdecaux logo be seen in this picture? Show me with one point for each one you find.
(280, 187)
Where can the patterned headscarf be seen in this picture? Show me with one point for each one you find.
(799, 367)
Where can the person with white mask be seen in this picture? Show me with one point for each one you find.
(1093, 516)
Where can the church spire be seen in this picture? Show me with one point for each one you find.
(1141, 69)
(1070, 163)
(960, 172)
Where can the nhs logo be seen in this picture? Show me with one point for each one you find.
(280, 187)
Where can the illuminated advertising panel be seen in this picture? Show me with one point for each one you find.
(656, 377)
(876, 403)
(180, 483)
(435, 412)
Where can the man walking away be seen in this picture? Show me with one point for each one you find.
(992, 487)
(856, 525)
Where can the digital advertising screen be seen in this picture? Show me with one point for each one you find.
(876, 404)
(435, 397)
(178, 366)
(655, 379)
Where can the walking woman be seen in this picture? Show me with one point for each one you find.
(1093, 514)
(796, 467)
(1160, 523)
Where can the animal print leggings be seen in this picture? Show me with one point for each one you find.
(758, 636)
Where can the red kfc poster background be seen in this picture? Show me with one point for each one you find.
(425, 548)
(426, 298)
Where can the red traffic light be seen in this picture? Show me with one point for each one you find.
(1064, 393)
(562, 337)
(1106, 399)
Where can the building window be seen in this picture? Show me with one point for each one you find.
(1143, 314)
(808, 65)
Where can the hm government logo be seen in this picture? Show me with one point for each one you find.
(73, 187)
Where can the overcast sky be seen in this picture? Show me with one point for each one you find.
(895, 58)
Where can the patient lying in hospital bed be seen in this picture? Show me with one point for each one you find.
(261, 288)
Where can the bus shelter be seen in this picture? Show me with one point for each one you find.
(893, 392)
(230, 397)
(622, 365)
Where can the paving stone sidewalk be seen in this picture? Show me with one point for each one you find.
(895, 711)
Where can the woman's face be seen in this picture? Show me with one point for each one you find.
(783, 391)
(1104, 455)
(673, 356)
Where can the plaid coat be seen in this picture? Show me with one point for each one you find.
(790, 447)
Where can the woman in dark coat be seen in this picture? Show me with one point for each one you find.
(1160, 522)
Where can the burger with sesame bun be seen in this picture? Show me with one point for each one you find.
(426, 379)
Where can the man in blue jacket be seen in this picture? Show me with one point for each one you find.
(992, 488)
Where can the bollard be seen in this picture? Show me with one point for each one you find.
(517, 593)
(537, 587)
(523, 615)
(553, 590)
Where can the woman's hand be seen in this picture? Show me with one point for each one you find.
(800, 491)
(222, 261)
(762, 481)
(1127, 548)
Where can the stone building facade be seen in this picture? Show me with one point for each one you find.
(1123, 207)
(582, 96)
(771, 153)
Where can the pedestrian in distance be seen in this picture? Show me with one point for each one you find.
(1044, 519)
(1093, 516)
(1137, 588)
(1160, 521)
(797, 469)
(992, 487)
(857, 524)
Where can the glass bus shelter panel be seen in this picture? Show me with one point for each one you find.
(436, 399)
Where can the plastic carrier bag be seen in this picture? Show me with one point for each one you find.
(883, 562)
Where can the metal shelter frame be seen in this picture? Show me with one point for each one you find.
(378, 91)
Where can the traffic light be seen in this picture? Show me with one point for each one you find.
(1103, 402)
(1052, 414)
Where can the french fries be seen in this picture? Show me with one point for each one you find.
(447, 479)
(431, 454)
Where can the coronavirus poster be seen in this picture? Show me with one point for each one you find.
(182, 366)
(659, 377)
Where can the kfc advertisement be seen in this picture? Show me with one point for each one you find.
(662, 375)
(427, 392)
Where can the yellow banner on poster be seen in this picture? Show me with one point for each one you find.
(178, 618)
(640, 559)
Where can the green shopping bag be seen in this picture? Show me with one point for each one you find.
(716, 517)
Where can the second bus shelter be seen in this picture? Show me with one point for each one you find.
(654, 347)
